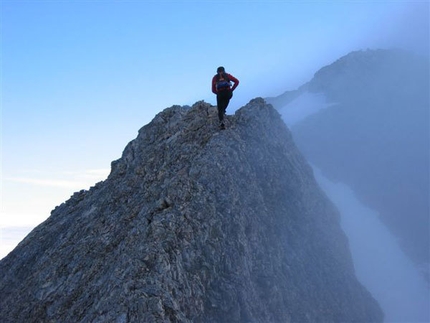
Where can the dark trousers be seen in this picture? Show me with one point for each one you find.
(222, 101)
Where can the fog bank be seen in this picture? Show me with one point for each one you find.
(380, 264)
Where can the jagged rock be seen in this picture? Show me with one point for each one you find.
(193, 224)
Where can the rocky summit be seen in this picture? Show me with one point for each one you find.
(193, 224)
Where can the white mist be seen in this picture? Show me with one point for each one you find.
(380, 264)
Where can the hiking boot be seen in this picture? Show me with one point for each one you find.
(222, 125)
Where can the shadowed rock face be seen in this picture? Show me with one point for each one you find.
(193, 224)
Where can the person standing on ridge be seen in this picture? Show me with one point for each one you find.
(221, 86)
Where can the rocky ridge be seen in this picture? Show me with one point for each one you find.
(193, 224)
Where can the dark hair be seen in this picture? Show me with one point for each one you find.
(220, 69)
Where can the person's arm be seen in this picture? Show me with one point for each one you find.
(214, 85)
(234, 80)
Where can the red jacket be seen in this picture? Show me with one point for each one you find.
(230, 77)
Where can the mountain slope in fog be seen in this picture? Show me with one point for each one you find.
(193, 224)
(370, 129)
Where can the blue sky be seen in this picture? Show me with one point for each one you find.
(80, 78)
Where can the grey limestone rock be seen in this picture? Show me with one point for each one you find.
(193, 224)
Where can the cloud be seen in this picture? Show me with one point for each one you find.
(47, 182)
(380, 264)
(66, 179)
(21, 220)
(10, 237)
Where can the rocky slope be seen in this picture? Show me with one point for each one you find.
(372, 133)
(192, 225)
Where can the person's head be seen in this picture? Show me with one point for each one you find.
(220, 69)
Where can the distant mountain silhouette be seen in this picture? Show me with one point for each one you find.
(372, 133)
(193, 224)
